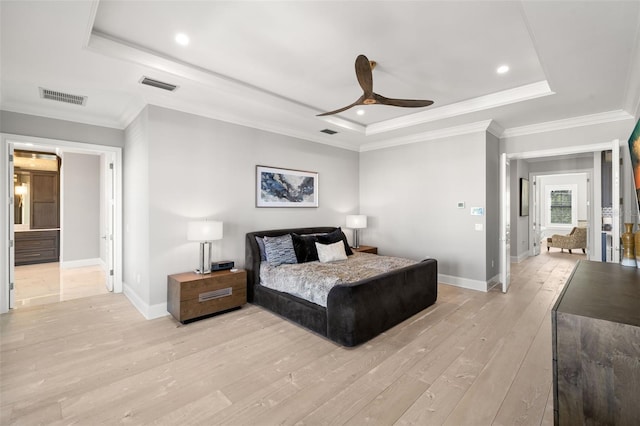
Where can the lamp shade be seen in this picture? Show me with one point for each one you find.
(356, 221)
(204, 230)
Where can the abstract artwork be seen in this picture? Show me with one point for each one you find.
(285, 188)
(634, 150)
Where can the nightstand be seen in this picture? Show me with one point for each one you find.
(191, 296)
(366, 249)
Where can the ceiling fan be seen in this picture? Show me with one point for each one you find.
(364, 69)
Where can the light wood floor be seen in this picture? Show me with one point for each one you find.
(45, 283)
(472, 359)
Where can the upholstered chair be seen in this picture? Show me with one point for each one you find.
(577, 239)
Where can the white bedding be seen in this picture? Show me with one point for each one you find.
(312, 281)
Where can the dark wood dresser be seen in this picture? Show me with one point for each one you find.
(596, 346)
(191, 296)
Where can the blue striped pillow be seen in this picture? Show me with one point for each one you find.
(280, 250)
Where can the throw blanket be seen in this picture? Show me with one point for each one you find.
(312, 281)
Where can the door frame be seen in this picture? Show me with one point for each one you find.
(534, 231)
(613, 144)
(30, 142)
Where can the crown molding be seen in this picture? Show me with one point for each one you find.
(505, 97)
(479, 126)
(568, 123)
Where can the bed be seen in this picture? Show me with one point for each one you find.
(354, 312)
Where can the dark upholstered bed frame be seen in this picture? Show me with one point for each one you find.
(355, 312)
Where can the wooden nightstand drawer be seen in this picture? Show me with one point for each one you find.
(191, 296)
(366, 249)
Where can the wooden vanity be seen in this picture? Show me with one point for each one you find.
(37, 246)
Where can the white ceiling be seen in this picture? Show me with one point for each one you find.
(275, 65)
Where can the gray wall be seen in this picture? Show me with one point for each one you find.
(80, 207)
(410, 194)
(42, 127)
(492, 207)
(180, 166)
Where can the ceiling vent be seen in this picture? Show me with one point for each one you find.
(157, 83)
(329, 131)
(62, 97)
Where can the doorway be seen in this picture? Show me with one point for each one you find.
(103, 268)
(516, 231)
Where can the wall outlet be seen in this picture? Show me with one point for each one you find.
(479, 227)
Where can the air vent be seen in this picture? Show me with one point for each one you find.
(157, 83)
(329, 131)
(67, 98)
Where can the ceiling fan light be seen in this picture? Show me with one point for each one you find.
(360, 112)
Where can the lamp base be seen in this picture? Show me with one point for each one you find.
(201, 269)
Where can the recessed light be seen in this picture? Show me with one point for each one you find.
(360, 112)
(182, 39)
(502, 69)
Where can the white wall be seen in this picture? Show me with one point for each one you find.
(135, 262)
(80, 188)
(410, 194)
(183, 166)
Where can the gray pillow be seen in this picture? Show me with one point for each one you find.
(280, 250)
(263, 253)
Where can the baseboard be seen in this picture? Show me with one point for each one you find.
(148, 311)
(80, 263)
(463, 282)
(521, 257)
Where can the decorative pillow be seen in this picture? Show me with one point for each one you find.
(263, 253)
(331, 252)
(279, 250)
(334, 237)
(305, 247)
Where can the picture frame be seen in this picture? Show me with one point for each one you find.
(634, 151)
(524, 197)
(279, 187)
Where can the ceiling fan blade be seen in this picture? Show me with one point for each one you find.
(358, 102)
(364, 75)
(407, 103)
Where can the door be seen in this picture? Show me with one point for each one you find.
(505, 223)
(10, 231)
(536, 223)
(109, 219)
(615, 197)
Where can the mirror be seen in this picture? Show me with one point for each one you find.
(22, 191)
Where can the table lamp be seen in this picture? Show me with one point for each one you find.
(204, 231)
(356, 222)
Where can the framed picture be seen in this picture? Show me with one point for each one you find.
(634, 150)
(277, 187)
(524, 197)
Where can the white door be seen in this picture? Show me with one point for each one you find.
(109, 217)
(10, 224)
(505, 223)
(615, 197)
(536, 222)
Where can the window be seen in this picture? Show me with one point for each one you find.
(561, 205)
